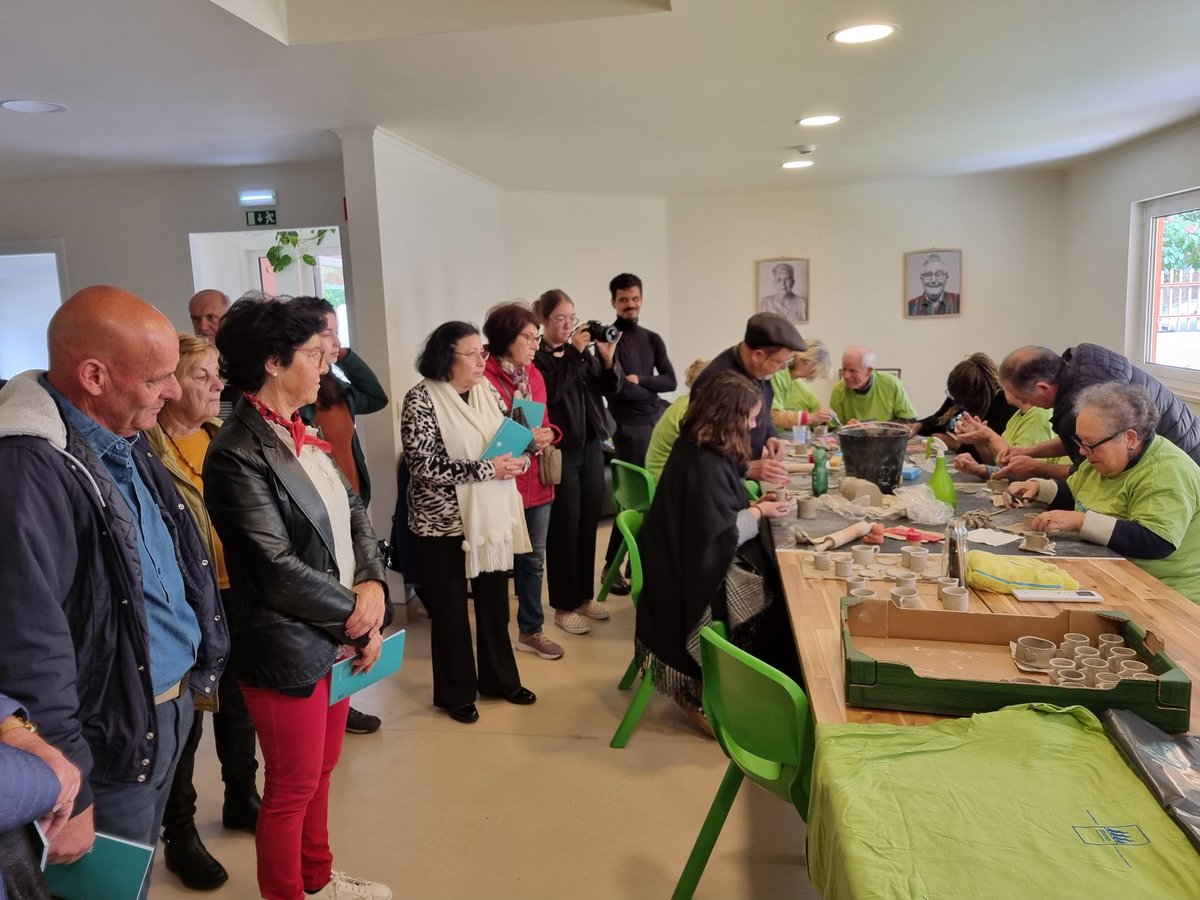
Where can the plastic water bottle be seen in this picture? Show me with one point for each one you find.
(941, 484)
(820, 472)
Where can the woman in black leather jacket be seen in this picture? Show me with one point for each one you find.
(306, 579)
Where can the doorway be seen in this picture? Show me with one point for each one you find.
(33, 284)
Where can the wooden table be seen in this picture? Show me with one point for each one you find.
(814, 606)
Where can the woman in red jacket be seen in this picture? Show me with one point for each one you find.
(511, 330)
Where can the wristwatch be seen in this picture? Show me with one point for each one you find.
(16, 721)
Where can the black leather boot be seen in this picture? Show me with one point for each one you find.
(241, 808)
(188, 858)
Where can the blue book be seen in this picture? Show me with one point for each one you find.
(512, 437)
(534, 412)
(114, 869)
(344, 681)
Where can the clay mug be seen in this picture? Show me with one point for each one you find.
(1131, 668)
(822, 561)
(1061, 665)
(1106, 681)
(807, 508)
(1108, 641)
(863, 554)
(1035, 651)
(1073, 639)
(857, 581)
(917, 558)
(957, 599)
(1091, 667)
(905, 598)
(863, 593)
(1067, 678)
(1118, 655)
(842, 568)
(906, 580)
(1082, 653)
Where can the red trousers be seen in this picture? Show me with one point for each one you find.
(301, 740)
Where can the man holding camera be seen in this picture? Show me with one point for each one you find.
(648, 373)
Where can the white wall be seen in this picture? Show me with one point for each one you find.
(133, 231)
(1009, 228)
(1102, 296)
(578, 242)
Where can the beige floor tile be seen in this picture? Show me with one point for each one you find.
(529, 802)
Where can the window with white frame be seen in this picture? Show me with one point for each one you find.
(1171, 320)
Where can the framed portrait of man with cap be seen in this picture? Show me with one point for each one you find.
(781, 287)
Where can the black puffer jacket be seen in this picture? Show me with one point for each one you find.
(1090, 364)
(287, 608)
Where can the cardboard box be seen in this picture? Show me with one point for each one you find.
(958, 663)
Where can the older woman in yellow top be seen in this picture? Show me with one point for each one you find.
(1135, 491)
(181, 438)
(795, 403)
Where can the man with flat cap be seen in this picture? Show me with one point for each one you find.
(109, 614)
(765, 349)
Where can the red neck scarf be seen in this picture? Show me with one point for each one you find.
(295, 427)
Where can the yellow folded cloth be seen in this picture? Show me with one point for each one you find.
(1004, 574)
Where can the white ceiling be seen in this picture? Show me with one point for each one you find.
(698, 99)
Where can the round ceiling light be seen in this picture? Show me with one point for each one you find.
(808, 121)
(797, 164)
(32, 106)
(863, 34)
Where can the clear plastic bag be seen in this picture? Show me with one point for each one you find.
(922, 507)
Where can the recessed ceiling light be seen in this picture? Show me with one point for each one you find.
(32, 106)
(862, 34)
(797, 164)
(818, 120)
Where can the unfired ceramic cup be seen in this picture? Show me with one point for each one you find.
(1072, 640)
(1035, 651)
(946, 581)
(906, 598)
(1061, 665)
(843, 567)
(1081, 653)
(907, 580)
(863, 593)
(917, 559)
(1091, 667)
(863, 554)
(1106, 681)
(905, 552)
(1118, 655)
(1131, 668)
(807, 508)
(957, 599)
(823, 560)
(1067, 678)
(1028, 520)
(857, 581)
(1108, 641)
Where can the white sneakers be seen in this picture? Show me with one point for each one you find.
(346, 887)
(593, 610)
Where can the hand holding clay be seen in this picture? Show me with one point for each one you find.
(1058, 520)
(770, 471)
(1018, 466)
(774, 509)
(964, 463)
(1020, 494)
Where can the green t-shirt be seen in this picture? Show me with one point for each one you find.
(1031, 427)
(886, 401)
(663, 438)
(1161, 493)
(793, 394)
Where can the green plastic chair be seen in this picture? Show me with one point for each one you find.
(630, 523)
(633, 489)
(761, 719)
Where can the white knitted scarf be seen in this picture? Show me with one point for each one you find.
(493, 515)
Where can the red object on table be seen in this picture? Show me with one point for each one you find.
(901, 533)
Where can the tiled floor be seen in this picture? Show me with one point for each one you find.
(529, 802)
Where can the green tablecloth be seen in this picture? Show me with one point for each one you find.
(1028, 802)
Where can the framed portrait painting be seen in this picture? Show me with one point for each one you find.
(932, 283)
(781, 287)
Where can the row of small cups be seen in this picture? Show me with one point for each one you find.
(1075, 662)
(912, 558)
(953, 596)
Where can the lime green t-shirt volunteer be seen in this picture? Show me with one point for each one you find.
(1161, 493)
(793, 394)
(884, 402)
(664, 436)
(1030, 427)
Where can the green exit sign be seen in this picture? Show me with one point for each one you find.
(260, 217)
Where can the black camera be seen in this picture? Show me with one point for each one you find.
(599, 332)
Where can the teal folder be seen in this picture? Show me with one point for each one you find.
(113, 869)
(344, 681)
(534, 411)
(512, 437)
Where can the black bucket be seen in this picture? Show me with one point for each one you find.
(874, 451)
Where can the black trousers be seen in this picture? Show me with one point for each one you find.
(571, 543)
(631, 443)
(455, 682)
(233, 734)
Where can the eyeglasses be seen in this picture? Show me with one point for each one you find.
(529, 338)
(1089, 449)
(474, 354)
(563, 320)
(307, 351)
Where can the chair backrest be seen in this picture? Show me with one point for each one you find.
(760, 717)
(754, 490)
(633, 486)
(629, 523)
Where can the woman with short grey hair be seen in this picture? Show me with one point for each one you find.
(1135, 491)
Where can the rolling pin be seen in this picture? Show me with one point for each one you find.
(843, 536)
